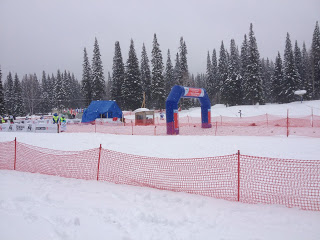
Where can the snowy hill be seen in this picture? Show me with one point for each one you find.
(295, 109)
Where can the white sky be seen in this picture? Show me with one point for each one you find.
(38, 35)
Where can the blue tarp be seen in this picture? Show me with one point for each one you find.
(96, 109)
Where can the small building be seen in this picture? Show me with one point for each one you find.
(144, 117)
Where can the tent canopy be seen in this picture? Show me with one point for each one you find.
(98, 109)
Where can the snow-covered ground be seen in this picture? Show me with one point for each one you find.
(34, 206)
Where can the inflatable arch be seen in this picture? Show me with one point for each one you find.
(178, 92)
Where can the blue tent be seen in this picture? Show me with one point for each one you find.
(98, 109)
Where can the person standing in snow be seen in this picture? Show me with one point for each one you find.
(63, 119)
(55, 118)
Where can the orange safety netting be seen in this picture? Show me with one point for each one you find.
(263, 125)
(236, 177)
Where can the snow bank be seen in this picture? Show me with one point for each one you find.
(34, 206)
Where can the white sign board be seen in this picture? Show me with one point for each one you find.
(29, 127)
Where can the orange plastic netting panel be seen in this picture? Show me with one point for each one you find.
(7, 152)
(70, 164)
(81, 127)
(316, 121)
(109, 129)
(214, 176)
(300, 121)
(293, 183)
(304, 131)
(250, 131)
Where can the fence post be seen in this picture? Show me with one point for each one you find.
(311, 117)
(267, 119)
(216, 128)
(15, 153)
(287, 122)
(155, 130)
(238, 175)
(131, 127)
(99, 162)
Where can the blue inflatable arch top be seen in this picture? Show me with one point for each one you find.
(173, 99)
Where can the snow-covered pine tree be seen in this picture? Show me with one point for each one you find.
(18, 102)
(145, 76)
(45, 94)
(9, 94)
(291, 78)
(209, 78)
(132, 89)
(98, 82)
(177, 71)
(266, 73)
(215, 76)
(232, 85)
(157, 85)
(108, 86)
(2, 109)
(185, 103)
(50, 91)
(86, 82)
(117, 76)
(31, 93)
(169, 75)
(315, 62)
(298, 61)
(277, 81)
(306, 76)
(60, 93)
(222, 74)
(66, 84)
(76, 96)
(184, 62)
(53, 95)
(244, 55)
(252, 86)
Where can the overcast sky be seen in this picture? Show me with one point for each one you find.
(38, 35)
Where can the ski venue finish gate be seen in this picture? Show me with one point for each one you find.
(172, 116)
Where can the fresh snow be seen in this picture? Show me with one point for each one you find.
(34, 206)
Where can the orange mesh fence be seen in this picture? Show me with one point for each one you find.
(7, 154)
(70, 164)
(294, 183)
(248, 179)
(214, 177)
(263, 125)
(316, 121)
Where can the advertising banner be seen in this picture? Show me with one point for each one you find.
(28, 127)
(193, 92)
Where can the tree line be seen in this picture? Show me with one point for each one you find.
(29, 96)
(233, 77)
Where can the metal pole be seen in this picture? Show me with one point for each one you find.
(311, 117)
(99, 162)
(132, 127)
(15, 153)
(287, 122)
(267, 119)
(238, 175)
(216, 128)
